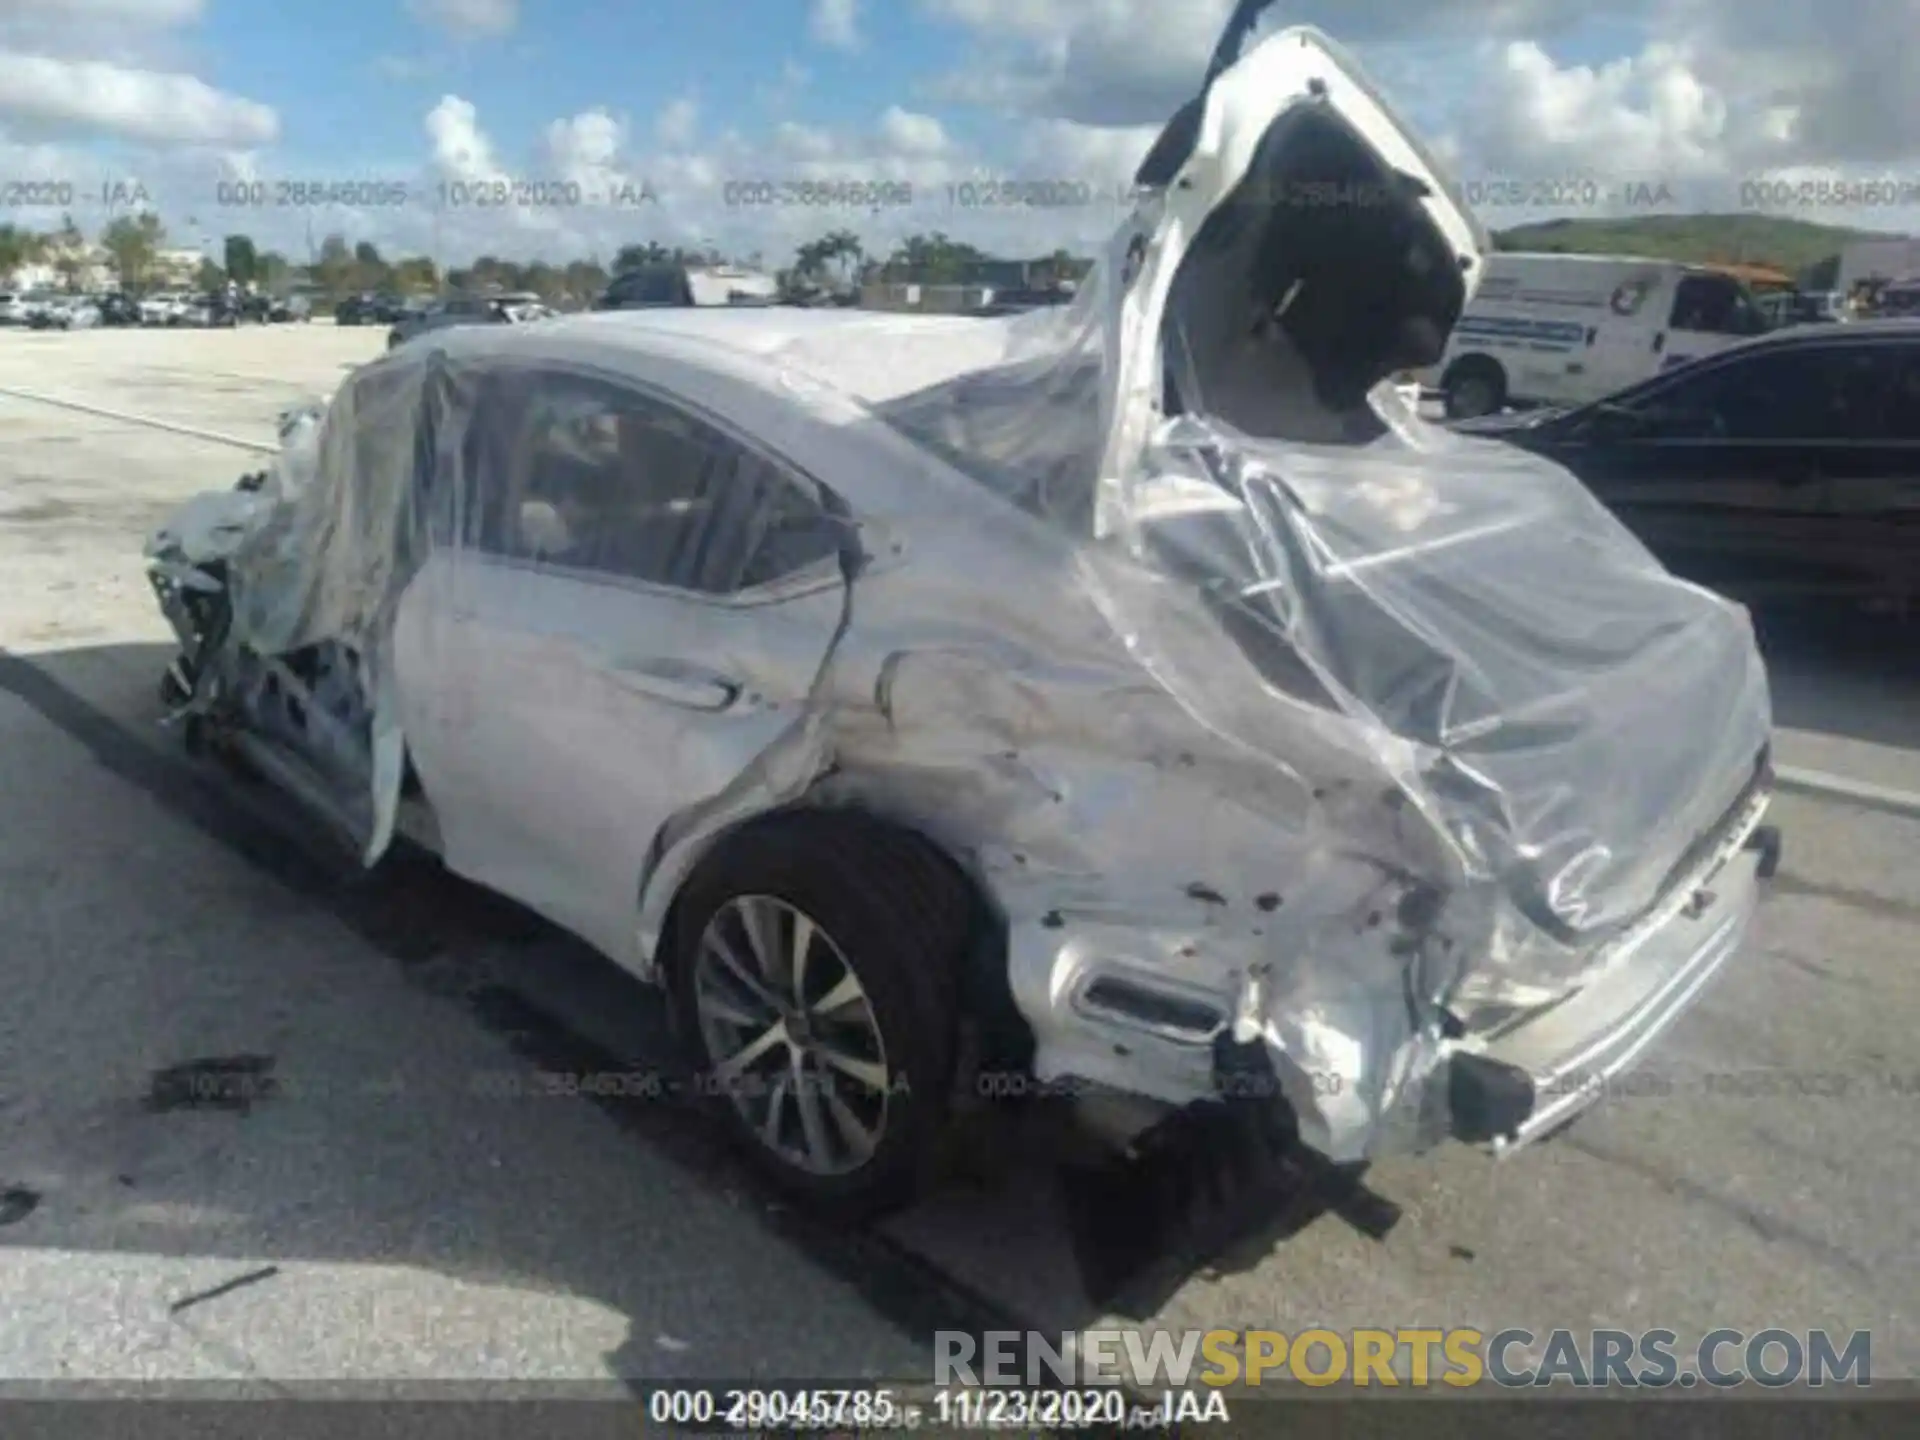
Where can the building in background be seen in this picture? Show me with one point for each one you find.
(89, 268)
(175, 269)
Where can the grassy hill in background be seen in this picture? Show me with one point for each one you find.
(1788, 244)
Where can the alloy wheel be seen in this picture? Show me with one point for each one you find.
(791, 1036)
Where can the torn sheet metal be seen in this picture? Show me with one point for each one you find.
(1256, 704)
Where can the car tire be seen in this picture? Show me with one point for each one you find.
(1474, 387)
(892, 925)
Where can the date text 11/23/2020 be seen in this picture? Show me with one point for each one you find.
(871, 1409)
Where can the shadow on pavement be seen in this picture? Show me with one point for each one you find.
(1009, 1239)
(1843, 672)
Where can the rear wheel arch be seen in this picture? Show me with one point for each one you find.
(906, 917)
(846, 826)
(999, 1036)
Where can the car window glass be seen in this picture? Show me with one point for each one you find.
(605, 479)
(1785, 395)
(1706, 304)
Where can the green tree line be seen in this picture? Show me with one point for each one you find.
(837, 260)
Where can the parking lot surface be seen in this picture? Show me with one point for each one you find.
(369, 1170)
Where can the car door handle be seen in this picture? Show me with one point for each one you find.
(677, 683)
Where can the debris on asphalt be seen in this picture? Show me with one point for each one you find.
(239, 1282)
(16, 1203)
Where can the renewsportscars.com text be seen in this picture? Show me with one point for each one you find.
(1406, 1357)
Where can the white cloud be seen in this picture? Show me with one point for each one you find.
(1705, 93)
(678, 122)
(1132, 62)
(836, 23)
(468, 18)
(794, 141)
(157, 13)
(460, 146)
(138, 104)
(1639, 118)
(909, 133)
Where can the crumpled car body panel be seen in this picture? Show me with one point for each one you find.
(1278, 715)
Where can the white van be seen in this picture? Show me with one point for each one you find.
(1566, 329)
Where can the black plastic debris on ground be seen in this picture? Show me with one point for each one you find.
(239, 1282)
(16, 1203)
(233, 1083)
(1214, 1186)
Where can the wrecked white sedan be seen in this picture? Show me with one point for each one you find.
(1137, 698)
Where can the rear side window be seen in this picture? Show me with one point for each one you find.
(588, 475)
(1825, 393)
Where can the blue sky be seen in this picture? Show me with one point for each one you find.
(352, 79)
(186, 97)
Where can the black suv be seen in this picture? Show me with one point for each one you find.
(119, 309)
(652, 288)
(369, 310)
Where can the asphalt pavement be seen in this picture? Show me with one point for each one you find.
(261, 1119)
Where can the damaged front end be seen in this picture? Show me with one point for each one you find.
(291, 701)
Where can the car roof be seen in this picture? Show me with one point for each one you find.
(870, 356)
(1889, 331)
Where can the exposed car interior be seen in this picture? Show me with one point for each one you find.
(605, 480)
(1341, 284)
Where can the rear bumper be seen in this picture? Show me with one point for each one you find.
(1528, 1081)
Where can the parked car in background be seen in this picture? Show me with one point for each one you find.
(66, 312)
(37, 304)
(656, 287)
(119, 309)
(925, 698)
(1820, 307)
(1897, 300)
(215, 309)
(1564, 329)
(278, 309)
(44, 311)
(455, 310)
(163, 307)
(14, 309)
(523, 305)
(1788, 466)
(369, 309)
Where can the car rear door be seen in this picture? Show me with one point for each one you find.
(633, 613)
(1733, 473)
(1872, 474)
